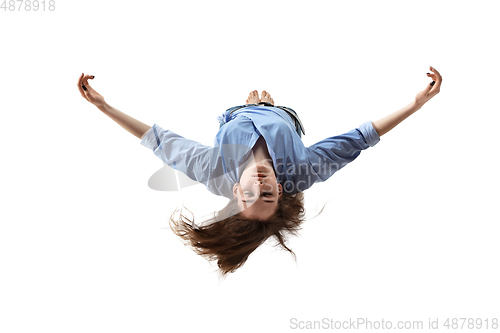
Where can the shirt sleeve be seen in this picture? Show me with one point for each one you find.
(331, 154)
(188, 156)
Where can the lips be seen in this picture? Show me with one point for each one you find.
(259, 175)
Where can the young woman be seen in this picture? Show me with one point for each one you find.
(259, 163)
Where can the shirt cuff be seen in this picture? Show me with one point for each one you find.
(150, 139)
(224, 118)
(369, 133)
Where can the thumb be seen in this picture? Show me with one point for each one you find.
(428, 88)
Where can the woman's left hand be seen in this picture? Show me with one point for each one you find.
(431, 90)
(88, 92)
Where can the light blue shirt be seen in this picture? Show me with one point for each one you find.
(297, 167)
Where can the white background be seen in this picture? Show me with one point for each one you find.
(411, 231)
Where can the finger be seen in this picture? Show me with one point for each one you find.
(79, 83)
(436, 88)
(87, 85)
(85, 79)
(432, 89)
(435, 71)
(80, 88)
(438, 79)
(428, 88)
(88, 89)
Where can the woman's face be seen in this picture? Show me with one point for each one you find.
(258, 191)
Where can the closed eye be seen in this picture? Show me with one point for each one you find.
(265, 194)
(266, 201)
(268, 194)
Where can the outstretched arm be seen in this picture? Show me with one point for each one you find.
(132, 125)
(387, 123)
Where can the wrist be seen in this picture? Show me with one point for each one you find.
(104, 107)
(417, 105)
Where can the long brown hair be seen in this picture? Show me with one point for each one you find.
(229, 238)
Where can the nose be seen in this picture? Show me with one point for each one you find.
(263, 185)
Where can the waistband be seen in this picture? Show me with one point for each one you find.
(295, 117)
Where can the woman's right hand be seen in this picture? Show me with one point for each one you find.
(88, 92)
